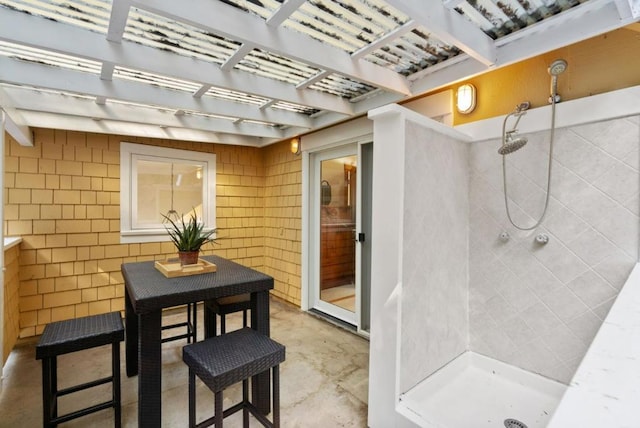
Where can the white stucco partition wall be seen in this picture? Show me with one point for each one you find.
(386, 260)
(392, 127)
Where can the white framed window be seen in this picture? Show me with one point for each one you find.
(157, 181)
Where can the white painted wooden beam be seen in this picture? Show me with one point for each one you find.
(200, 92)
(14, 122)
(384, 40)
(359, 98)
(106, 72)
(361, 108)
(237, 56)
(118, 20)
(313, 79)
(37, 75)
(240, 26)
(635, 8)
(267, 104)
(21, 133)
(452, 4)
(450, 27)
(579, 23)
(83, 124)
(30, 100)
(17, 27)
(628, 8)
(284, 12)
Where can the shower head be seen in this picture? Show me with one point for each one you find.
(522, 107)
(557, 67)
(512, 145)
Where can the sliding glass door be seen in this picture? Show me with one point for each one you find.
(337, 235)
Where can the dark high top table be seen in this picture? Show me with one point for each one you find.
(148, 291)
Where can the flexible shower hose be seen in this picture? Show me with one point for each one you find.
(504, 169)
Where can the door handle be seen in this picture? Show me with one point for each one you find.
(359, 237)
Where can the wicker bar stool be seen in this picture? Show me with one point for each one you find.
(191, 324)
(223, 306)
(224, 360)
(73, 335)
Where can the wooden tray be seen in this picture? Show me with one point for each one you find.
(171, 268)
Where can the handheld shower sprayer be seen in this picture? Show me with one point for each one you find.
(556, 68)
(521, 110)
(522, 107)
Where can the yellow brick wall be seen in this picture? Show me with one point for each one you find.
(63, 199)
(11, 297)
(283, 220)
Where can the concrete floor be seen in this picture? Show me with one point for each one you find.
(324, 380)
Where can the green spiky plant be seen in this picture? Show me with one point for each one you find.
(190, 235)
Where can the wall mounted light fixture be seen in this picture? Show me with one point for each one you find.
(296, 145)
(466, 98)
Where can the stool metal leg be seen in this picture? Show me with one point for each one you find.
(223, 328)
(115, 370)
(244, 318)
(189, 324)
(192, 322)
(276, 396)
(46, 392)
(219, 412)
(54, 387)
(192, 399)
(245, 400)
(195, 322)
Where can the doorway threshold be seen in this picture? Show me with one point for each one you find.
(333, 320)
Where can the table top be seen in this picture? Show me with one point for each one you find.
(150, 290)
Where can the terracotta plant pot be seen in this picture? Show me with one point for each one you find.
(188, 257)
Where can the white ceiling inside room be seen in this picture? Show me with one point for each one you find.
(257, 71)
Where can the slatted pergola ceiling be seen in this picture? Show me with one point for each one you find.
(254, 72)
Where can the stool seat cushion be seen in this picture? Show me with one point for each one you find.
(224, 360)
(62, 337)
(230, 304)
(238, 298)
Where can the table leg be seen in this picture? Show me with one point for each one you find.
(260, 384)
(131, 343)
(150, 370)
(210, 323)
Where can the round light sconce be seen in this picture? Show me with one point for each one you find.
(466, 98)
(295, 145)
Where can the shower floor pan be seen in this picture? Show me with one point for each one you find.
(477, 391)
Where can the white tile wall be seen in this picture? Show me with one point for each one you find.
(539, 307)
(434, 320)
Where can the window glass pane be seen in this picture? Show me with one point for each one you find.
(168, 188)
(157, 181)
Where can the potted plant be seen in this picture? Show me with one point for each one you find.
(188, 237)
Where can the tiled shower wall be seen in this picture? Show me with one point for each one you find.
(539, 306)
(434, 253)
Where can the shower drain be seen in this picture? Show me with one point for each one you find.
(514, 423)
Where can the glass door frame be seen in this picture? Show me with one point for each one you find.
(310, 246)
(314, 262)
